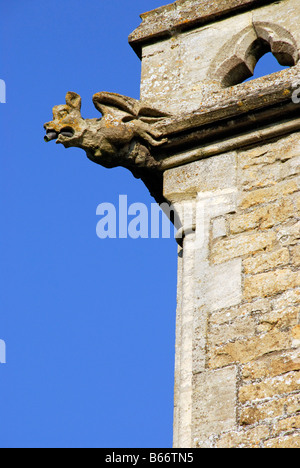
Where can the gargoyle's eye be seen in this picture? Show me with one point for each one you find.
(62, 114)
(67, 132)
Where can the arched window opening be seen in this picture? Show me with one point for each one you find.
(267, 65)
(260, 59)
(238, 59)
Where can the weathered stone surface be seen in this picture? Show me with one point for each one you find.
(289, 233)
(177, 75)
(251, 438)
(293, 405)
(291, 441)
(219, 228)
(243, 351)
(271, 283)
(263, 217)
(287, 425)
(265, 262)
(279, 319)
(220, 289)
(241, 245)
(287, 299)
(296, 255)
(208, 175)
(270, 194)
(282, 384)
(160, 22)
(240, 328)
(228, 315)
(267, 154)
(272, 365)
(214, 404)
(267, 175)
(262, 412)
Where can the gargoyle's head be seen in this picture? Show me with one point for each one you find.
(67, 126)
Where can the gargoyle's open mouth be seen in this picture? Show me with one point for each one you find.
(53, 134)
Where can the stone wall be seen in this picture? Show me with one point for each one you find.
(238, 328)
(258, 340)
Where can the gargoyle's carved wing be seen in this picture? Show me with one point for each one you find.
(150, 115)
(107, 102)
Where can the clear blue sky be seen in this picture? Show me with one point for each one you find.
(89, 324)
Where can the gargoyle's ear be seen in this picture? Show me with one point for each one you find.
(73, 100)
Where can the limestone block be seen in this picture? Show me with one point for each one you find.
(241, 245)
(240, 328)
(296, 255)
(224, 285)
(206, 175)
(282, 150)
(280, 319)
(219, 228)
(289, 233)
(249, 349)
(262, 412)
(286, 383)
(271, 283)
(161, 66)
(290, 441)
(266, 175)
(272, 365)
(228, 315)
(263, 262)
(251, 438)
(269, 194)
(214, 404)
(287, 425)
(263, 217)
(287, 299)
(293, 404)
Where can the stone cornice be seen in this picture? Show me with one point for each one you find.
(182, 15)
(239, 116)
(237, 100)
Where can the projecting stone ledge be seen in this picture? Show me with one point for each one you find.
(185, 14)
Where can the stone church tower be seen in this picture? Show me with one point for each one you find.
(234, 163)
(226, 154)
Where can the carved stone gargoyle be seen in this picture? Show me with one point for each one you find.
(122, 137)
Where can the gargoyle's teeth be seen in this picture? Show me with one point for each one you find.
(50, 135)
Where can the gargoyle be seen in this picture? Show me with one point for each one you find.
(122, 137)
(106, 141)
